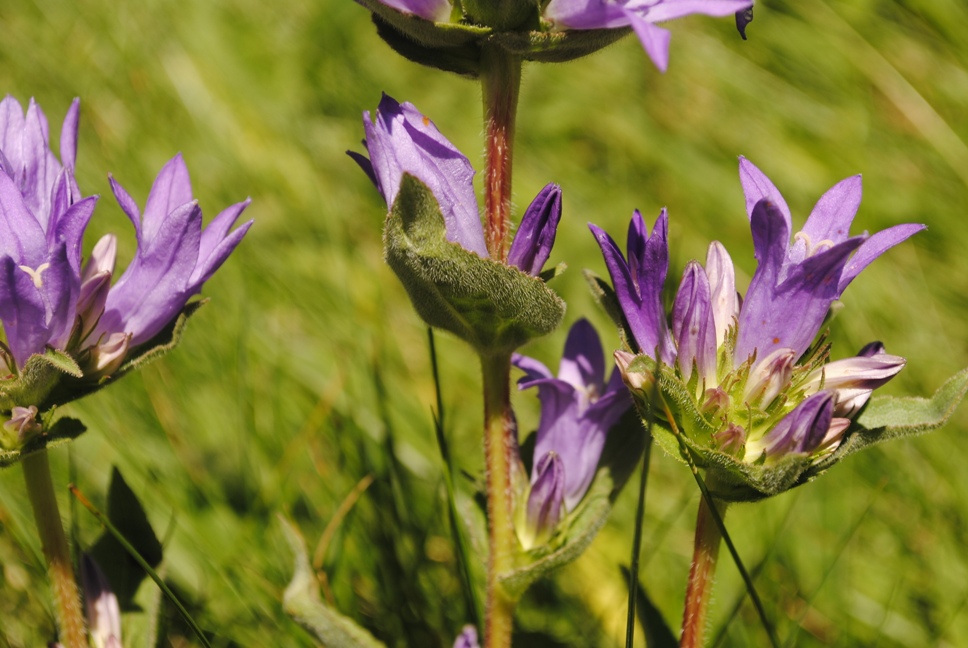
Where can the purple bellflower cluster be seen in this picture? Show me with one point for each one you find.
(761, 388)
(401, 140)
(52, 302)
(578, 408)
(588, 15)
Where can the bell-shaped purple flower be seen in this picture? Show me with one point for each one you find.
(641, 15)
(638, 282)
(103, 611)
(853, 379)
(175, 255)
(402, 140)
(802, 430)
(546, 499)
(42, 222)
(796, 282)
(577, 410)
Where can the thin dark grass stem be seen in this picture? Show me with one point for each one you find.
(637, 541)
(472, 601)
(103, 519)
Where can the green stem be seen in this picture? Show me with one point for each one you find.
(501, 82)
(67, 602)
(700, 587)
(498, 455)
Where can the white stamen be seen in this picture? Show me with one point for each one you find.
(35, 274)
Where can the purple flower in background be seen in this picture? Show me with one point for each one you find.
(641, 15)
(748, 362)
(47, 299)
(467, 638)
(400, 139)
(103, 611)
(435, 10)
(42, 222)
(175, 255)
(577, 410)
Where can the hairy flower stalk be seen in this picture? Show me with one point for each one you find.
(67, 330)
(745, 386)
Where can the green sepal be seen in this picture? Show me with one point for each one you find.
(426, 33)
(890, 417)
(731, 479)
(494, 307)
(503, 14)
(302, 602)
(60, 432)
(735, 480)
(557, 46)
(463, 59)
(621, 454)
(70, 388)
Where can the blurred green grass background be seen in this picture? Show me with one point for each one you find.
(309, 371)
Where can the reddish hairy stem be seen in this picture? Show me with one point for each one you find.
(498, 449)
(501, 80)
(43, 501)
(700, 587)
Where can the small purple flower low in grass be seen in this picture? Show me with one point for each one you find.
(640, 15)
(467, 638)
(753, 368)
(578, 408)
(401, 140)
(48, 299)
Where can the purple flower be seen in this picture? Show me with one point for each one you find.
(641, 15)
(435, 10)
(42, 222)
(467, 638)
(796, 281)
(175, 256)
(577, 410)
(747, 362)
(402, 140)
(103, 611)
(47, 299)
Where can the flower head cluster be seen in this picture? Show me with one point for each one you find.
(401, 140)
(762, 388)
(574, 16)
(48, 298)
(578, 408)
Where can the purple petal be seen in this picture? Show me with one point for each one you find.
(171, 189)
(803, 429)
(434, 10)
(69, 230)
(874, 247)
(68, 138)
(655, 40)
(534, 369)
(722, 290)
(40, 169)
(757, 187)
(829, 222)
(156, 284)
(365, 165)
(546, 497)
(22, 311)
(402, 140)
(536, 235)
(672, 9)
(217, 244)
(583, 363)
(21, 236)
(11, 132)
(128, 206)
(692, 325)
(586, 14)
